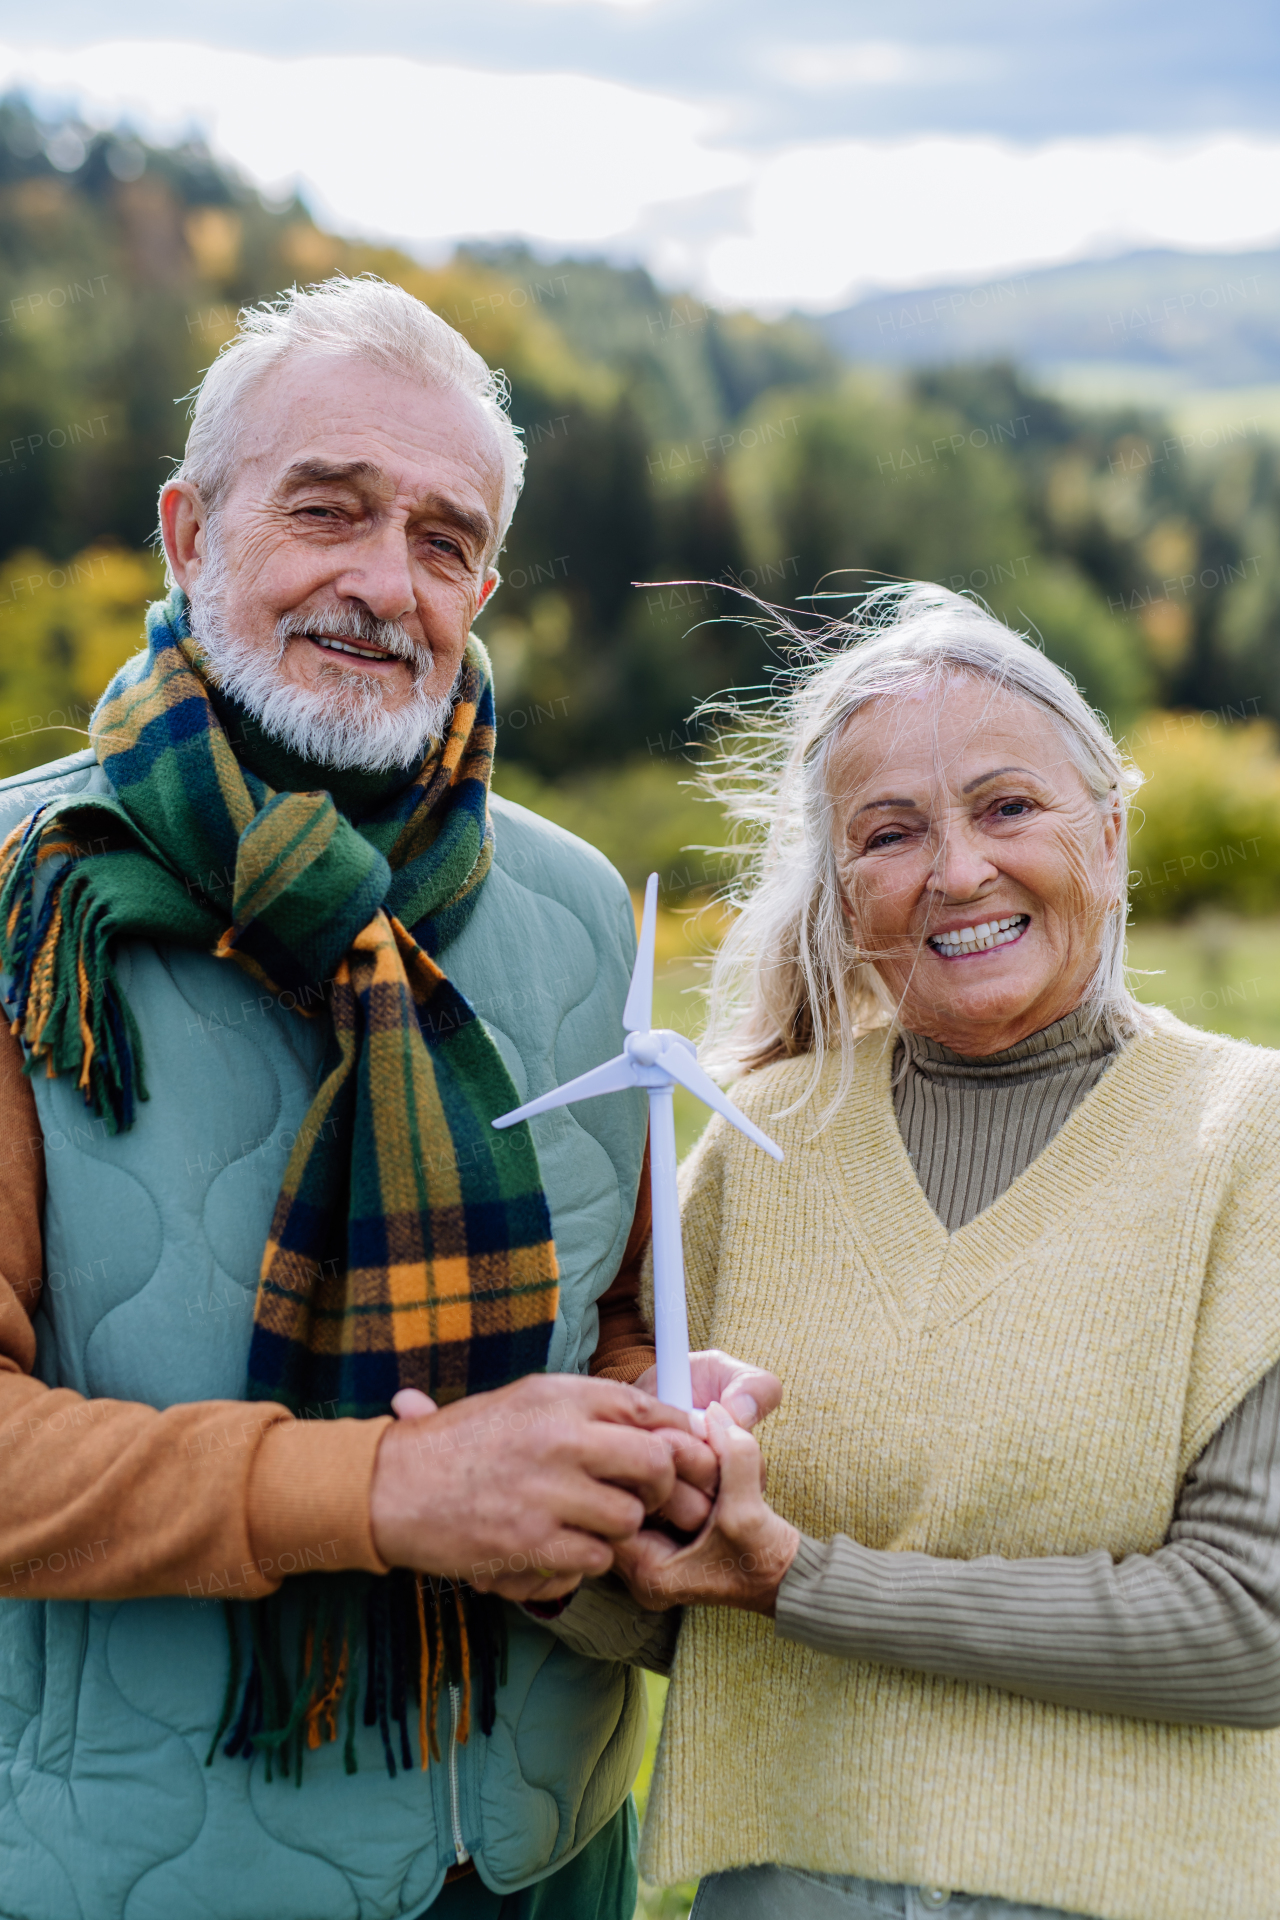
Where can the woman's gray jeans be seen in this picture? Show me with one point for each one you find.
(793, 1893)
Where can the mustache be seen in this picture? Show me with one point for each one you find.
(356, 623)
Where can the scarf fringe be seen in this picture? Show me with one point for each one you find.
(419, 1635)
(68, 1007)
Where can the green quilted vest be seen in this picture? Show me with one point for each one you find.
(152, 1246)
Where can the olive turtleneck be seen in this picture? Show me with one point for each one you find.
(971, 1126)
(355, 793)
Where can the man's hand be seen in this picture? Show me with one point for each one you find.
(741, 1555)
(748, 1393)
(524, 1491)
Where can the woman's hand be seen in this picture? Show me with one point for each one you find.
(747, 1393)
(740, 1557)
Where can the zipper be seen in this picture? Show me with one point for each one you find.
(455, 1807)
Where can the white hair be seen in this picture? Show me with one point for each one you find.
(789, 978)
(366, 319)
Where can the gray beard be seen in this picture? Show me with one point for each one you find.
(344, 722)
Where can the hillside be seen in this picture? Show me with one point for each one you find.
(1164, 319)
(667, 444)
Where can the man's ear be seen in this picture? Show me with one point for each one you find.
(491, 580)
(183, 519)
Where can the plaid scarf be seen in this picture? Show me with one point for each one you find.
(410, 1245)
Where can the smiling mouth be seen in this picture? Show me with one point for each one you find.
(980, 938)
(357, 647)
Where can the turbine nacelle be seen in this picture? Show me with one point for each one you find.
(644, 1048)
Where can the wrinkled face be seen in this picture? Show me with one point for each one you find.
(977, 870)
(346, 563)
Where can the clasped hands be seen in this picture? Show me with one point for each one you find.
(526, 1491)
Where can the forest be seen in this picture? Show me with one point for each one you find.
(685, 465)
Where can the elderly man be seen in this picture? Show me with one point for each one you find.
(277, 959)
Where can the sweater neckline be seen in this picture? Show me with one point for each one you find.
(936, 1276)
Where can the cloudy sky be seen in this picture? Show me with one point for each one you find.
(764, 154)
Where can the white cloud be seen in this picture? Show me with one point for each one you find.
(839, 65)
(393, 146)
(825, 221)
(426, 154)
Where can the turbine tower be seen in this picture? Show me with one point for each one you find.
(658, 1060)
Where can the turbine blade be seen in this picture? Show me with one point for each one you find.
(682, 1066)
(612, 1077)
(637, 1015)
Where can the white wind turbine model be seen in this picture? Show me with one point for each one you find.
(656, 1058)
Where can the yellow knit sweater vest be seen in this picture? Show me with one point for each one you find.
(1036, 1384)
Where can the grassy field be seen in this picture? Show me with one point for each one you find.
(657, 1903)
(1218, 973)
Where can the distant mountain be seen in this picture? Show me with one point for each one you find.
(1171, 320)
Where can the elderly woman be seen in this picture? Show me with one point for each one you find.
(1006, 1638)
